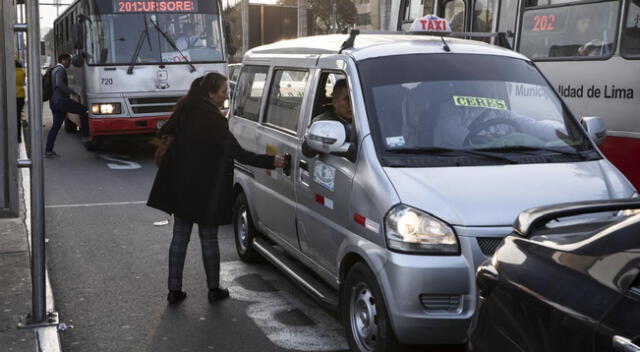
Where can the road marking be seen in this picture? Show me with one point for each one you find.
(93, 204)
(121, 164)
(326, 334)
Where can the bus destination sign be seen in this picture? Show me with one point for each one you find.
(142, 6)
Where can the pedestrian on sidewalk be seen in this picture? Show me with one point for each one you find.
(62, 102)
(20, 95)
(195, 178)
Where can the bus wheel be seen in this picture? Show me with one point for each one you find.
(69, 126)
(244, 231)
(364, 313)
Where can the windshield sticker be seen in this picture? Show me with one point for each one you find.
(479, 102)
(397, 141)
(324, 175)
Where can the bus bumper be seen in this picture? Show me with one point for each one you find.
(120, 126)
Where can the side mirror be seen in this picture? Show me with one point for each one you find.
(595, 128)
(327, 137)
(78, 60)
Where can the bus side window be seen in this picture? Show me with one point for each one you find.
(454, 11)
(631, 30)
(484, 16)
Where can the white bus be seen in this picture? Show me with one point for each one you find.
(589, 50)
(133, 60)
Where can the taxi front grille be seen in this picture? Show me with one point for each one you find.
(488, 245)
(153, 104)
(441, 303)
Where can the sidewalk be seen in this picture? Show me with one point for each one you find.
(15, 281)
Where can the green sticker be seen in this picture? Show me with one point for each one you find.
(479, 102)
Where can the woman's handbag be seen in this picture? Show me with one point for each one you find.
(162, 148)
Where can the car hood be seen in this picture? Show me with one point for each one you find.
(494, 195)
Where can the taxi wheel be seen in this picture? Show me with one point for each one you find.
(364, 314)
(244, 231)
(69, 126)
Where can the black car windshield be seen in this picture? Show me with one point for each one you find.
(465, 102)
(114, 30)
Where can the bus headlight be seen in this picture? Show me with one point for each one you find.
(106, 109)
(411, 230)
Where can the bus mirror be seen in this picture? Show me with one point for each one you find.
(595, 128)
(78, 60)
(78, 36)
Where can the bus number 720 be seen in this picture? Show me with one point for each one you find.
(107, 81)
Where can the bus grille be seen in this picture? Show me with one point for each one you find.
(152, 104)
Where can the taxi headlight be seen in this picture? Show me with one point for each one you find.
(411, 230)
(106, 109)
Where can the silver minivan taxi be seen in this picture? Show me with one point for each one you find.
(386, 217)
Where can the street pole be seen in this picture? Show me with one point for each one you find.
(244, 13)
(37, 171)
(334, 17)
(302, 18)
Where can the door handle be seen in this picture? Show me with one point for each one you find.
(623, 344)
(287, 170)
(303, 164)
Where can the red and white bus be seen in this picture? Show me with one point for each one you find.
(589, 50)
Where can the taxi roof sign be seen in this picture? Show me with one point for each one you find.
(430, 24)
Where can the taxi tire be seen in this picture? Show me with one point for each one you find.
(69, 126)
(247, 253)
(361, 278)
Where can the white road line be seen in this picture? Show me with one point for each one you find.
(93, 204)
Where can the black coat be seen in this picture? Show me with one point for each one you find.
(195, 179)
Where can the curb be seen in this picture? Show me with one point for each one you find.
(47, 338)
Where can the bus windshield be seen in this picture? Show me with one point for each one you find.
(576, 30)
(461, 102)
(116, 27)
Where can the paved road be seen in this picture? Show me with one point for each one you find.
(107, 263)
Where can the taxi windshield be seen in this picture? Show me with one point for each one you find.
(435, 102)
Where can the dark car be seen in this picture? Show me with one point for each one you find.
(569, 285)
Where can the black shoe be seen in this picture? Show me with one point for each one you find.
(51, 154)
(217, 294)
(176, 296)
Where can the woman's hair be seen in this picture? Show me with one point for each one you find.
(18, 63)
(199, 91)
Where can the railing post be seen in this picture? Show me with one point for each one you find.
(38, 262)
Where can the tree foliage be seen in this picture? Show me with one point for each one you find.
(346, 13)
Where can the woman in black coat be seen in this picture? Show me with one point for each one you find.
(195, 178)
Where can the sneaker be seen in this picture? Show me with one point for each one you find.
(217, 294)
(51, 154)
(176, 296)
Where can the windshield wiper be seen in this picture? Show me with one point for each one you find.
(173, 45)
(145, 33)
(515, 149)
(459, 152)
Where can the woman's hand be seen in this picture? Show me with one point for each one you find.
(279, 162)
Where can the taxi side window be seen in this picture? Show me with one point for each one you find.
(248, 94)
(325, 90)
(285, 98)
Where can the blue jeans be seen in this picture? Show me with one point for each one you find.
(60, 108)
(178, 253)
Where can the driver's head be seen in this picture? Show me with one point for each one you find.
(188, 29)
(341, 101)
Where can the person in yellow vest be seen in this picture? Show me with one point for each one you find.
(20, 76)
